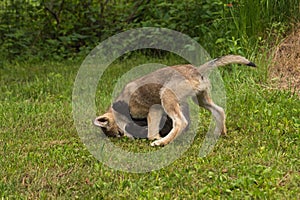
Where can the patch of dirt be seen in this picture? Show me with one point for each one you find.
(285, 69)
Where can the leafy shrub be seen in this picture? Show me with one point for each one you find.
(44, 29)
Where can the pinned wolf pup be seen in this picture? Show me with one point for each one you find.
(155, 105)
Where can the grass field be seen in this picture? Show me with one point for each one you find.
(42, 157)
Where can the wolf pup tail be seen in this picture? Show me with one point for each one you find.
(225, 60)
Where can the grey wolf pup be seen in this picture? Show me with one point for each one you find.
(155, 105)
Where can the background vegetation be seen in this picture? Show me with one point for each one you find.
(42, 44)
(47, 29)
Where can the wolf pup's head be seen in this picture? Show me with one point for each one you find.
(108, 125)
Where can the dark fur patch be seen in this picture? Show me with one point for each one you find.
(139, 127)
(165, 126)
(122, 108)
(251, 64)
(137, 131)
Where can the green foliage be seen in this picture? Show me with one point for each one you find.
(243, 27)
(39, 30)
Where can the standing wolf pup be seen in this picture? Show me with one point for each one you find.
(154, 106)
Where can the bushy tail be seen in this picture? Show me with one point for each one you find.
(225, 60)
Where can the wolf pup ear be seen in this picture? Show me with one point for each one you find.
(101, 121)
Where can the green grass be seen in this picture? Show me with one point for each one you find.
(42, 157)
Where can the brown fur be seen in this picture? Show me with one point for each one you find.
(161, 92)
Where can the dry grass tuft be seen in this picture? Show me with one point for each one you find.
(285, 70)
